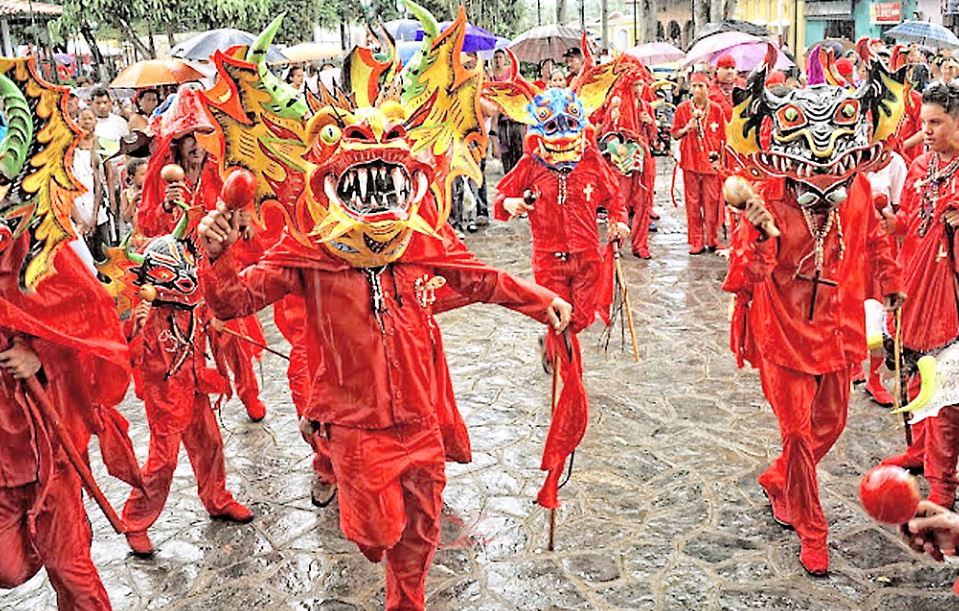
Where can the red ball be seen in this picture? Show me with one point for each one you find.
(889, 494)
(239, 189)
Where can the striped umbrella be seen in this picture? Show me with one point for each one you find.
(925, 33)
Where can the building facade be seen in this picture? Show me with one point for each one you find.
(851, 19)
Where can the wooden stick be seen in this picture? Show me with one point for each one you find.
(55, 425)
(249, 339)
(900, 388)
(552, 512)
(617, 262)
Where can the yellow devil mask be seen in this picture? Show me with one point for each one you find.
(358, 170)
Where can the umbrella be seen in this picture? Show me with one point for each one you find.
(403, 29)
(708, 47)
(838, 45)
(204, 45)
(751, 55)
(151, 72)
(545, 42)
(477, 39)
(731, 25)
(311, 51)
(924, 33)
(655, 53)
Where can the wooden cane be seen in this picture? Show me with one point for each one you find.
(900, 388)
(618, 265)
(55, 425)
(250, 340)
(552, 512)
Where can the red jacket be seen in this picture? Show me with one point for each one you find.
(910, 126)
(777, 323)
(372, 371)
(694, 150)
(568, 227)
(930, 318)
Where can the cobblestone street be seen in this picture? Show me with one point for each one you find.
(662, 512)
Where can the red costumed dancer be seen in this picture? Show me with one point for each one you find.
(799, 316)
(365, 186)
(927, 222)
(727, 79)
(176, 383)
(626, 128)
(177, 143)
(64, 367)
(700, 126)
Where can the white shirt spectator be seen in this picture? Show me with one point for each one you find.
(890, 180)
(83, 170)
(112, 127)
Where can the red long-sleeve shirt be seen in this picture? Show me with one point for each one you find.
(376, 371)
(570, 226)
(694, 150)
(778, 318)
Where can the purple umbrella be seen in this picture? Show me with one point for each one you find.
(750, 55)
(477, 39)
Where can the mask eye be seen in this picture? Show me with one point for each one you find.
(330, 134)
(847, 113)
(397, 132)
(543, 113)
(573, 109)
(161, 274)
(791, 117)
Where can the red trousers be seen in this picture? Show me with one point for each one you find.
(204, 447)
(812, 415)
(390, 486)
(61, 543)
(575, 278)
(942, 452)
(289, 314)
(241, 365)
(703, 210)
(633, 190)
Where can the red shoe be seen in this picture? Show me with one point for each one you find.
(878, 392)
(234, 512)
(907, 461)
(642, 254)
(697, 251)
(777, 506)
(255, 409)
(140, 544)
(814, 557)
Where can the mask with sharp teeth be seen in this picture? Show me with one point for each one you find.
(359, 170)
(822, 136)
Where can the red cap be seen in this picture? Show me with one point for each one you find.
(726, 61)
(844, 67)
(699, 77)
(776, 78)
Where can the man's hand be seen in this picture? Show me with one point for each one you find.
(516, 206)
(893, 301)
(217, 324)
(645, 117)
(175, 192)
(20, 361)
(245, 223)
(934, 530)
(558, 314)
(217, 230)
(618, 231)
(756, 213)
(889, 222)
(951, 218)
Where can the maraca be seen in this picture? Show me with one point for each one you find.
(239, 189)
(737, 192)
(889, 494)
(171, 174)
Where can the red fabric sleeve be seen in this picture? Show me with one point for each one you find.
(680, 119)
(230, 295)
(511, 185)
(880, 245)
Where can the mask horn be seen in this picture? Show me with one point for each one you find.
(131, 254)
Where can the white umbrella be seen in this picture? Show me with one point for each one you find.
(544, 42)
(656, 53)
(703, 50)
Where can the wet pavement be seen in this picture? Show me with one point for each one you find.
(662, 511)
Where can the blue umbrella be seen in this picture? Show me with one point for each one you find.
(404, 29)
(477, 39)
(925, 33)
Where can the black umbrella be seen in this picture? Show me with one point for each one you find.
(730, 25)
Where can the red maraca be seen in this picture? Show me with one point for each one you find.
(889, 494)
(239, 189)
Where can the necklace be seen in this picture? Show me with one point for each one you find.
(930, 187)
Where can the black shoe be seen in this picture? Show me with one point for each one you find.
(653, 228)
(547, 364)
(472, 228)
(710, 249)
(697, 252)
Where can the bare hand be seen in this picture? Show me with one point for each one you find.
(20, 361)
(244, 222)
(889, 222)
(175, 192)
(645, 118)
(141, 312)
(618, 231)
(951, 217)
(217, 230)
(893, 301)
(558, 313)
(934, 530)
(756, 213)
(516, 206)
(217, 324)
